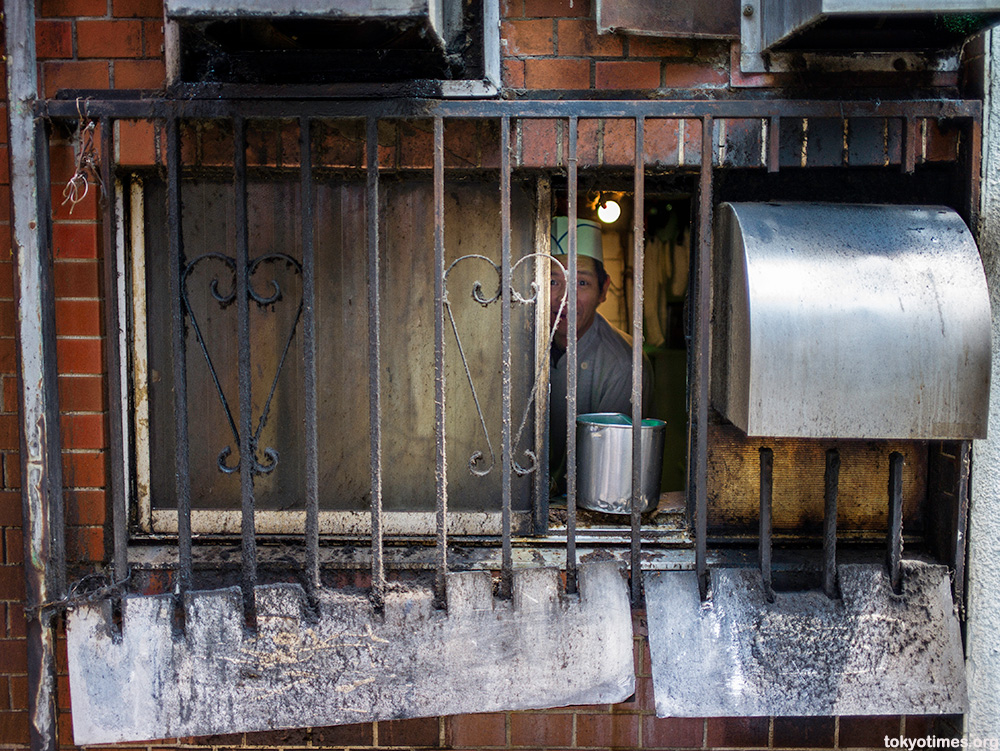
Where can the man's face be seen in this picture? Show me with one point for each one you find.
(589, 294)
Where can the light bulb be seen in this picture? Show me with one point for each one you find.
(609, 211)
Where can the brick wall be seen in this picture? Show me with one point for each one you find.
(548, 46)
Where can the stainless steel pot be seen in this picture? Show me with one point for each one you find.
(604, 462)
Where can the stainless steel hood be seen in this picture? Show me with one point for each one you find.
(849, 321)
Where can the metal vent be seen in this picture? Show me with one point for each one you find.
(850, 321)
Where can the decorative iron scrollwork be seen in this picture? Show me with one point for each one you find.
(531, 298)
(225, 298)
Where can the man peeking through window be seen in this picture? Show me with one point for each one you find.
(604, 354)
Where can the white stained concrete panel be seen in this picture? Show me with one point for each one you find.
(345, 664)
(983, 624)
(869, 653)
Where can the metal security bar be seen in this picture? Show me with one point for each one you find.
(170, 116)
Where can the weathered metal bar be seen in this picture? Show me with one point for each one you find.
(699, 389)
(572, 361)
(638, 257)
(247, 444)
(895, 555)
(113, 361)
(764, 543)
(441, 468)
(41, 469)
(831, 483)
(543, 354)
(374, 361)
(909, 144)
(182, 468)
(312, 574)
(506, 281)
(424, 108)
(972, 146)
(961, 524)
(773, 143)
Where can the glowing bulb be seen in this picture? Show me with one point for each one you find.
(609, 211)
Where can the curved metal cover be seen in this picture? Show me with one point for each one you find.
(850, 321)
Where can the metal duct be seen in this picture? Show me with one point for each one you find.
(850, 321)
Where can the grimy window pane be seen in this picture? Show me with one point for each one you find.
(472, 220)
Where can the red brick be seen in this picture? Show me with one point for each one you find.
(54, 39)
(7, 356)
(627, 74)
(539, 145)
(83, 210)
(278, 738)
(737, 732)
(579, 37)
(14, 728)
(541, 729)
(6, 280)
(616, 730)
(655, 47)
(10, 402)
(693, 75)
(867, 732)
(82, 431)
(513, 74)
(803, 732)
(419, 732)
(4, 684)
(9, 427)
(672, 732)
(416, 146)
(75, 278)
(62, 162)
(11, 588)
(78, 317)
(85, 544)
(557, 74)
(140, 74)
(12, 470)
(136, 142)
(109, 38)
(17, 625)
(86, 507)
(588, 142)
(50, 8)
(476, 730)
(216, 142)
(19, 692)
(4, 166)
(660, 142)
(338, 144)
(8, 316)
(557, 8)
(74, 240)
(79, 355)
(619, 142)
(463, 141)
(263, 145)
(511, 8)
(62, 692)
(152, 38)
(10, 511)
(84, 469)
(529, 37)
(81, 393)
(692, 142)
(137, 8)
(75, 74)
(13, 546)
